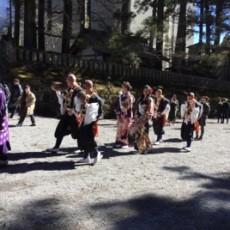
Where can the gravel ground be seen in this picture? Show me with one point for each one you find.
(165, 189)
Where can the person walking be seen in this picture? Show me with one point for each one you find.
(225, 111)
(69, 108)
(173, 109)
(189, 113)
(219, 111)
(16, 93)
(89, 113)
(162, 109)
(26, 103)
(4, 130)
(140, 127)
(124, 113)
(205, 110)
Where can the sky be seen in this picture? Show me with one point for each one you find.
(3, 12)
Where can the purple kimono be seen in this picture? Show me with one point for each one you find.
(4, 130)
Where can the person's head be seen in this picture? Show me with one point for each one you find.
(223, 100)
(147, 90)
(159, 93)
(126, 87)
(205, 99)
(71, 80)
(27, 89)
(88, 85)
(190, 96)
(16, 81)
(174, 96)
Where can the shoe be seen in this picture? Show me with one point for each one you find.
(33, 125)
(124, 146)
(161, 140)
(183, 149)
(157, 143)
(199, 139)
(117, 145)
(85, 161)
(77, 151)
(98, 157)
(188, 149)
(53, 150)
(3, 162)
(19, 125)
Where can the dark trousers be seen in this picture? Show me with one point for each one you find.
(13, 110)
(158, 128)
(225, 116)
(67, 125)
(86, 139)
(23, 117)
(187, 133)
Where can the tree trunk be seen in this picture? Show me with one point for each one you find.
(67, 26)
(41, 25)
(208, 25)
(181, 37)
(125, 16)
(152, 31)
(17, 5)
(160, 32)
(30, 39)
(201, 22)
(10, 27)
(82, 15)
(218, 20)
(49, 15)
(89, 10)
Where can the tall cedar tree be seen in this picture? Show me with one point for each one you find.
(17, 10)
(41, 25)
(67, 26)
(160, 33)
(30, 38)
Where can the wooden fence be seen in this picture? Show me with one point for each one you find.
(150, 76)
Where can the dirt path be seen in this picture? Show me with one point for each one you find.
(165, 189)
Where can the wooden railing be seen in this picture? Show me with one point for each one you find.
(150, 76)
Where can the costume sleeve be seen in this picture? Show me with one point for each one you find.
(195, 113)
(20, 90)
(201, 110)
(151, 106)
(2, 105)
(166, 110)
(60, 97)
(182, 109)
(100, 102)
(77, 105)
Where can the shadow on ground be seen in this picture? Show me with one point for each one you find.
(45, 214)
(37, 166)
(173, 140)
(209, 209)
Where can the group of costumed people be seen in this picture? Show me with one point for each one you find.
(154, 110)
(81, 108)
